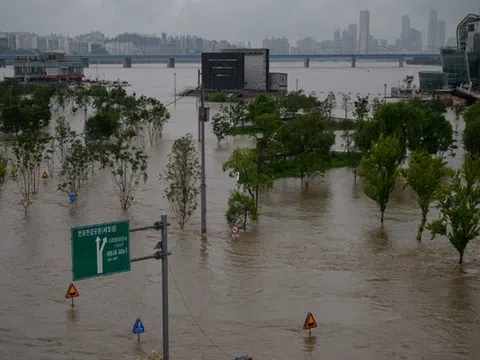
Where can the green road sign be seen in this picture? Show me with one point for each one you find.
(101, 249)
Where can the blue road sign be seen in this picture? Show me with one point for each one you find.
(89, 140)
(72, 198)
(138, 327)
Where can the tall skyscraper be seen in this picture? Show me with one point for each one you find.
(364, 31)
(432, 31)
(441, 33)
(405, 37)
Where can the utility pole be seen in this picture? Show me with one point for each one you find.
(175, 89)
(203, 114)
(200, 89)
(166, 352)
(161, 253)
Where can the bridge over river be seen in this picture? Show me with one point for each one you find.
(171, 59)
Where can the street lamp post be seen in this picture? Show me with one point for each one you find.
(203, 115)
(175, 89)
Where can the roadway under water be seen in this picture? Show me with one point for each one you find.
(376, 293)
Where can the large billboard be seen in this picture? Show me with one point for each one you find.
(223, 71)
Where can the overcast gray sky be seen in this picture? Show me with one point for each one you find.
(234, 20)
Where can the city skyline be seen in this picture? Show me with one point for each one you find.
(237, 21)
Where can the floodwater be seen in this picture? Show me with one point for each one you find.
(375, 293)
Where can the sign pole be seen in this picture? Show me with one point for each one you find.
(166, 353)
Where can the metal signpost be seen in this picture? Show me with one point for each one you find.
(138, 328)
(101, 249)
(72, 292)
(104, 249)
(310, 323)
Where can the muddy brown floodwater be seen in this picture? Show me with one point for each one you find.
(376, 293)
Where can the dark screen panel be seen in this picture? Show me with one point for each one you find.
(223, 71)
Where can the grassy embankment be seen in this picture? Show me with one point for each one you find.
(290, 168)
(335, 125)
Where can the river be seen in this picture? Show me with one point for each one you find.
(375, 293)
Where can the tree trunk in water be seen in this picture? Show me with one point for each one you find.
(382, 216)
(421, 227)
(256, 198)
(245, 220)
(460, 261)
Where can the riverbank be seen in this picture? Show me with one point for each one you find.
(335, 124)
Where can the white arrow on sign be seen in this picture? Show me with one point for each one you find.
(100, 254)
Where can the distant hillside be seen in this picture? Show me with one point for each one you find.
(137, 39)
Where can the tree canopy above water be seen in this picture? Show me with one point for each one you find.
(417, 126)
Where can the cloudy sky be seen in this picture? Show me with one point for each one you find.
(235, 20)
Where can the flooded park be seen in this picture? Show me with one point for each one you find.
(376, 292)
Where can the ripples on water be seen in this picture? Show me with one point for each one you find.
(376, 293)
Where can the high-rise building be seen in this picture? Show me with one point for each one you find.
(364, 33)
(432, 31)
(405, 37)
(337, 42)
(353, 32)
(441, 33)
(306, 46)
(416, 40)
(277, 46)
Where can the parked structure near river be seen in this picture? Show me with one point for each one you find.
(48, 67)
(241, 70)
(460, 65)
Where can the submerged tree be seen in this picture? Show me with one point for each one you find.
(415, 125)
(103, 125)
(63, 138)
(424, 175)
(309, 140)
(243, 163)
(182, 176)
(380, 169)
(155, 116)
(346, 104)
(235, 113)
(28, 151)
(361, 108)
(329, 104)
(459, 218)
(348, 138)
(240, 209)
(74, 171)
(128, 165)
(220, 126)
